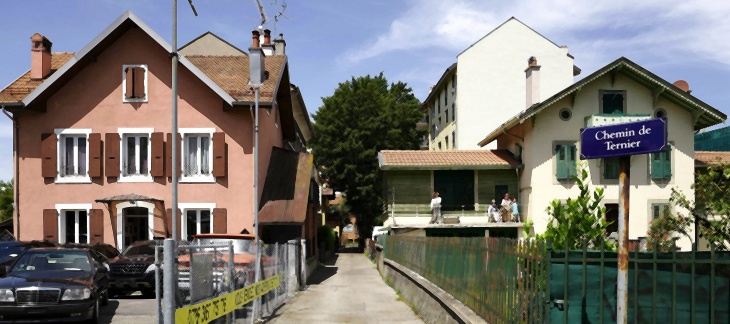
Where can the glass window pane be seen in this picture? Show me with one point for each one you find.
(81, 162)
(191, 166)
(83, 223)
(70, 226)
(143, 156)
(204, 221)
(192, 223)
(204, 155)
(131, 167)
(67, 165)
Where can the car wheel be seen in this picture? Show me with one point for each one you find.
(105, 298)
(95, 313)
(148, 293)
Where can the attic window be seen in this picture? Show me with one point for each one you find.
(134, 83)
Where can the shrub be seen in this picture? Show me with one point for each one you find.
(326, 235)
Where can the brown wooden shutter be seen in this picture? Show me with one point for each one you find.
(219, 154)
(139, 92)
(168, 219)
(158, 155)
(50, 225)
(95, 155)
(96, 226)
(129, 86)
(168, 152)
(49, 155)
(220, 221)
(111, 142)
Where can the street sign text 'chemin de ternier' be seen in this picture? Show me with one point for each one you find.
(641, 137)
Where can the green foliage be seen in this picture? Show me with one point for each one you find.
(662, 231)
(527, 228)
(364, 116)
(711, 206)
(579, 219)
(6, 200)
(326, 234)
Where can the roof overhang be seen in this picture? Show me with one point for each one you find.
(451, 70)
(448, 167)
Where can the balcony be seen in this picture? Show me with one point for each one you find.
(596, 120)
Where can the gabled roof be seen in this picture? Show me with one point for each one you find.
(24, 85)
(706, 158)
(451, 70)
(446, 160)
(231, 74)
(706, 115)
(214, 35)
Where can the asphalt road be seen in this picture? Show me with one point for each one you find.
(129, 309)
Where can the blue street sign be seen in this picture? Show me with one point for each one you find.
(641, 137)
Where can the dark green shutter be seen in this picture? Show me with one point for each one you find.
(572, 172)
(661, 164)
(561, 170)
(610, 168)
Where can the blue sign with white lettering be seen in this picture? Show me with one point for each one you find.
(641, 137)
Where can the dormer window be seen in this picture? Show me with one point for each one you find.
(613, 102)
(134, 83)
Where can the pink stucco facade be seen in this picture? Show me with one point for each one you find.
(93, 99)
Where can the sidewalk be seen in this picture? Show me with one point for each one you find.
(347, 290)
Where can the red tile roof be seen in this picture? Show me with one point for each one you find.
(441, 159)
(286, 189)
(703, 158)
(231, 73)
(21, 87)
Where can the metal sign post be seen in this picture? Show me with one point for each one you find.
(623, 140)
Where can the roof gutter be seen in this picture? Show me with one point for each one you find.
(16, 179)
(502, 129)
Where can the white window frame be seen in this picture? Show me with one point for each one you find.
(62, 133)
(60, 209)
(121, 228)
(184, 207)
(123, 133)
(186, 133)
(124, 83)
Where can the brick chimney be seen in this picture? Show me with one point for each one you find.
(40, 56)
(280, 45)
(267, 47)
(256, 60)
(532, 74)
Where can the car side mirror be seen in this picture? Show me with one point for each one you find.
(102, 269)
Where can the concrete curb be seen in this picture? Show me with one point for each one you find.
(460, 312)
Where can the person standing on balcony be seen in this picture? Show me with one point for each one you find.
(506, 208)
(436, 209)
(494, 213)
(515, 211)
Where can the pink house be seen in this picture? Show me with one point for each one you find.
(92, 139)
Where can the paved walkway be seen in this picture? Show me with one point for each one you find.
(348, 289)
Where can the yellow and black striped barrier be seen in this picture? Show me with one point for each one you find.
(211, 309)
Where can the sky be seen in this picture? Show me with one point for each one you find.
(414, 41)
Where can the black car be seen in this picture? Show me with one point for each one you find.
(134, 269)
(53, 285)
(10, 250)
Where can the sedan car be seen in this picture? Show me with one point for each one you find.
(102, 251)
(53, 285)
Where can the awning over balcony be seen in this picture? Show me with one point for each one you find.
(127, 197)
(286, 189)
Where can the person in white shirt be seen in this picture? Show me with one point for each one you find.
(436, 209)
(493, 212)
(506, 208)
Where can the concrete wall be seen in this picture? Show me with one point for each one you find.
(539, 186)
(491, 79)
(445, 112)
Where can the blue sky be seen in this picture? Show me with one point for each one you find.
(329, 41)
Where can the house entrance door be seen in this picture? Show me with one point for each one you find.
(136, 225)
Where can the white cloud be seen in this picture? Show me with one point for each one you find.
(665, 31)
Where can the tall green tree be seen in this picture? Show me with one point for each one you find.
(6, 200)
(363, 116)
(711, 205)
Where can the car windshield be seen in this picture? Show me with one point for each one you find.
(54, 260)
(239, 246)
(140, 250)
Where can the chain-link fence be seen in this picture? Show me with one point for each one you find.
(211, 268)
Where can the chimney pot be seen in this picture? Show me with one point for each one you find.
(280, 45)
(267, 37)
(40, 56)
(532, 78)
(682, 85)
(255, 39)
(532, 61)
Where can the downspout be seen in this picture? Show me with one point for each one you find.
(16, 180)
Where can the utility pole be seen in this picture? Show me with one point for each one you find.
(622, 280)
(256, 79)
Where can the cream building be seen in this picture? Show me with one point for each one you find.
(490, 84)
(546, 136)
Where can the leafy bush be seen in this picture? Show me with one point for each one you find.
(663, 230)
(326, 235)
(577, 220)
